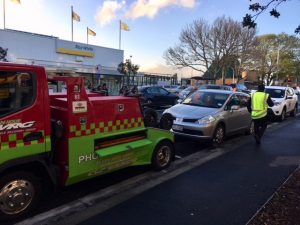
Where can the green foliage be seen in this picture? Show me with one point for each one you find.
(128, 69)
(276, 57)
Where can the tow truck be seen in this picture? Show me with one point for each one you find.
(50, 140)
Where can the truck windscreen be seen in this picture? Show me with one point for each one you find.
(16, 91)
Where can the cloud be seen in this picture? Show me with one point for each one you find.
(150, 8)
(108, 11)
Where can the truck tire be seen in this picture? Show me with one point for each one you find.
(150, 117)
(166, 121)
(20, 192)
(163, 155)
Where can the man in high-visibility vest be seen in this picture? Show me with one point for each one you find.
(258, 107)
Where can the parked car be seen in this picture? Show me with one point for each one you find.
(214, 86)
(185, 92)
(240, 88)
(285, 101)
(173, 88)
(209, 114)
(251, 86)
(178, 89)
(157, 97)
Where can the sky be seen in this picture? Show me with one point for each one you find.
(155, 25)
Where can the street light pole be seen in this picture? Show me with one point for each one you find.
(277, 66)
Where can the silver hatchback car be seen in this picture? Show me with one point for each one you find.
(209, 114)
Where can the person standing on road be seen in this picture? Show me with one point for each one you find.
(258, 107)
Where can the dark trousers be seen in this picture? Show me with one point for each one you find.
(260, 126)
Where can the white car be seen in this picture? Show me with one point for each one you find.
(285, 101)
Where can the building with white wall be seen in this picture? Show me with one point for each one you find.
(61, 57)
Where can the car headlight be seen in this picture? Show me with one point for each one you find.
(206, 120)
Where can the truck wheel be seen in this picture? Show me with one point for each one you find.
(19, 194)
(150, 118)
(166, 121)
(162, 156)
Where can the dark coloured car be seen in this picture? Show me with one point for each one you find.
(157, 97)
(214, 86)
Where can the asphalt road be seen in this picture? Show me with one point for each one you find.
(225, 190)
(74, 192)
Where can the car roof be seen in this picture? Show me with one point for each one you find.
(276, 87)
(216, 91)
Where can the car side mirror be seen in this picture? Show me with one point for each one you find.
(235, 107)
(179, 101)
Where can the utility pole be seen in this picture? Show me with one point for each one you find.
(277, 66)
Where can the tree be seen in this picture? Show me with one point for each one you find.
(212, 48)
(275, 57)
(129, 70)
(257, 8)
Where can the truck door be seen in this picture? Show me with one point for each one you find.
(22, 113)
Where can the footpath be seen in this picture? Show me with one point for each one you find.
(227, 190)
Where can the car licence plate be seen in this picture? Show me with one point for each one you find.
(177, 127)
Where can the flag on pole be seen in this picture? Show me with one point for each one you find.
(91, 32)
(16, 1)
(124, 26)
(75, 16)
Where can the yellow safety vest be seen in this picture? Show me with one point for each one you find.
(259, 105)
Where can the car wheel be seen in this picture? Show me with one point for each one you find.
(20, 192)
(166, 121)
(294, 112)
(219, 135)
(250, 130)
(282, 116)
(150, 118)
(163, 155)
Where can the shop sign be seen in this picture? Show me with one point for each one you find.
(73, 48)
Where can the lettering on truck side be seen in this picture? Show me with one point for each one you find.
(13, 126)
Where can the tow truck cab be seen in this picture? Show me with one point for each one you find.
(61, 139)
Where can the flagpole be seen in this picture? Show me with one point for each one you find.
(4, 14)
(72, 21)
(120, 36)
(87, 35)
